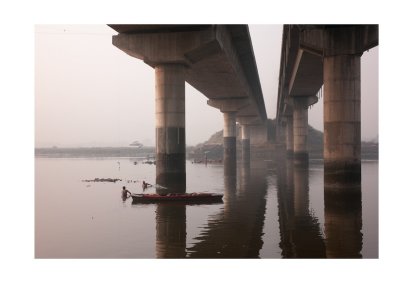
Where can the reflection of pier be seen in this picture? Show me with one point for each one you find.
(171, 231)
(237, 231)
(343, 223)
(300, 232)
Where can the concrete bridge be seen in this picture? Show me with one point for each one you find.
(324, 55)
(217, 60)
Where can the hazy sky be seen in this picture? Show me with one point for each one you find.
(90, 93)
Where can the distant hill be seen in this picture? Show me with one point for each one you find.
(213, 146)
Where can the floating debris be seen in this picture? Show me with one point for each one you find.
(102, 180)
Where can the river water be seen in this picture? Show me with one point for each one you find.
(270, 210)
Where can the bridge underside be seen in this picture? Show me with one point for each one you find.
(304, 48)
(219, 59)
(307, 78)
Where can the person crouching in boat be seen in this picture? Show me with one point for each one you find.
(145, 185)
(125, 193)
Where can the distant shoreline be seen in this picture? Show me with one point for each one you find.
(369, 151)
(76, 152)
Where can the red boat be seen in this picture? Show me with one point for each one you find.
(179, 197)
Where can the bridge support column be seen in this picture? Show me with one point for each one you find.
(342, 121)
(300, 130)
(249, 125)
(342, 155)
(289, 136)
(245, 131)
(229, 143)
(259, 133)
(170, 126)
(281, 133)
(229, 107)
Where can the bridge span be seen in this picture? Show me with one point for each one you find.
(324, 58)
(217, 60)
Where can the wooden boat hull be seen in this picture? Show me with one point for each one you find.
(181, 198)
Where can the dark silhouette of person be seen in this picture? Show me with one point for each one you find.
(145, 185)
(125, 193)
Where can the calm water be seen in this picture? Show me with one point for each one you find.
(270, 210)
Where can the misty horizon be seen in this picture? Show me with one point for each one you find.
(145, 143)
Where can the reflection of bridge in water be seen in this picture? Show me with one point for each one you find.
(301, 235)
(237, 230)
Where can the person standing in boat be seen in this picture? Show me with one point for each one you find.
(125, 193)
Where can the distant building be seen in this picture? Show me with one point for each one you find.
(136, 144)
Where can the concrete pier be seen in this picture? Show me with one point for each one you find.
(281, 135)
(245, 134)
(229, 143)
(170, 126)
(259, 133)
(289, 136)
(300, 130)
(342, 113)
(229, 107)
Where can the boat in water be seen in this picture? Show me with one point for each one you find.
(177, 197)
